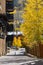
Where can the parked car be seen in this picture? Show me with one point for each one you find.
(20, 51)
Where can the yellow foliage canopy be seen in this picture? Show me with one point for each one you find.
(33, 18)
(17, 42)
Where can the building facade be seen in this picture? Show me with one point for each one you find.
(14, 20)
(10, 8)
(2, 36)
(2, 6)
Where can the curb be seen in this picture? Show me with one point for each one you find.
(30, 55)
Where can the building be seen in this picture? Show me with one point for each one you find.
(14, 20)
(19, 6)
(2, 34)
(10, 8)
(2, 6)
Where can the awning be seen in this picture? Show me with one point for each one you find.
(14, 33)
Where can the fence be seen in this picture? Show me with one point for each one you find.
(37, 50)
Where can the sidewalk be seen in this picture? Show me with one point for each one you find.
(13, 64)
(30, 55)
(3, 61)
(10, 64)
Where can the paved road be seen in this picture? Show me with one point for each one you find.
(19, 60)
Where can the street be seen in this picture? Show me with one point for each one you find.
(21, 32)
(19, 60)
